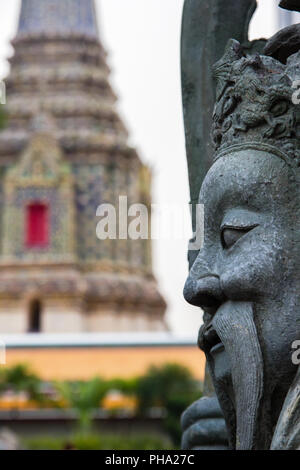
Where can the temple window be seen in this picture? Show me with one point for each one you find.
(37, 225)
(35, 311)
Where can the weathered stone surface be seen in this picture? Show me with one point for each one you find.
(290, 5)
(246, 276)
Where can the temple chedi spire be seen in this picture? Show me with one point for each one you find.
(54, 17)
(63, 152)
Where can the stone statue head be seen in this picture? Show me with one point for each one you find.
(246, 277)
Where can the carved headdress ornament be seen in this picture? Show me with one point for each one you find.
(254, 104)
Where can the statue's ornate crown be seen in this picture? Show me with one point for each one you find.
(254, 103)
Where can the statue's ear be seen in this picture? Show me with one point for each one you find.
(292, 5)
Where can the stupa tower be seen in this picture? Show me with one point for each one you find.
(63, 152)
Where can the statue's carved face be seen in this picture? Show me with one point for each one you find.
(246, 278)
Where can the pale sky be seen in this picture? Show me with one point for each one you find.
(142, 38)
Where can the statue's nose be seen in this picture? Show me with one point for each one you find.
(204, 291)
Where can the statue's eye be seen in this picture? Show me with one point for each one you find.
(231, 235)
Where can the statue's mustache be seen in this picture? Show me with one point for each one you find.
(234, 324)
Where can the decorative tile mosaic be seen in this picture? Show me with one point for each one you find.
(88, 196)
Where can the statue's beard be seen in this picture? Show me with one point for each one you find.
(234, 325)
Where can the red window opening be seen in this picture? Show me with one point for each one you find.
(37, 225)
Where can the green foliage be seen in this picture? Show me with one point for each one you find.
(162, 384)
(3, 118)
(171, 387)
(43, 443)
(126, 386)
(20, 378)
(84, 398)
(99, 442)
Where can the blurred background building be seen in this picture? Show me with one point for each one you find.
(64, 152)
